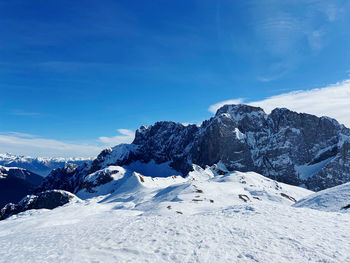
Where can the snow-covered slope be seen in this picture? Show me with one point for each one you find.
(210, 216)
(39, 165)
(201, 190)
(335, 199)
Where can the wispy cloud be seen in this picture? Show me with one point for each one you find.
(28, 144)
(285, 33)
(27, 113)
(126, 136)
(332, 101)
(19, 134)
(213, 108)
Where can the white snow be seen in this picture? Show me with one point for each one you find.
(239, 134)
(153, 169)
(306, 171)
(119, 173)
(205, 217)
(332, 199)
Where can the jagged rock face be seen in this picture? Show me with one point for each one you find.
(291, 139)
(283, 145)
(73, 178)
(245, 138)
(48, 200)
(335, 173)
(165, 141)
(61, 179)
(221, 140)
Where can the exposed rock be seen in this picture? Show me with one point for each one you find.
(48, 200)
(61, 179)
(245, 198)
(102, 177)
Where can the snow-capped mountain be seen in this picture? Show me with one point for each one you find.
(290, 147)
(39, 165)
(15, 183)
(196, 194)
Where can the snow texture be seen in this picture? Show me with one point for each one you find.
(210, 215)
(335, 199)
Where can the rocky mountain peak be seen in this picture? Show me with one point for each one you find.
(291, 147)
(239, 109)
(247, 118)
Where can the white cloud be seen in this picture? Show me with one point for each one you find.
(27, 144)
(332, 101)
(126, 136)
(213, 108)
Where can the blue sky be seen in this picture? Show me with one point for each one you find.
(74, 72)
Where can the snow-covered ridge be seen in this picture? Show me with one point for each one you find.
(202, 189)
(335, 199)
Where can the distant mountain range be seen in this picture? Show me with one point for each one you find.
(41, 166)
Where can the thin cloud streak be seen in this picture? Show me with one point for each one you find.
(26, 113)
(332, 101)
(285, 33)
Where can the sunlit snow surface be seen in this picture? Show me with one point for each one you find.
(207, 217)
(333, 199)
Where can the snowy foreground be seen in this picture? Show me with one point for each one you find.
(238, 217)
